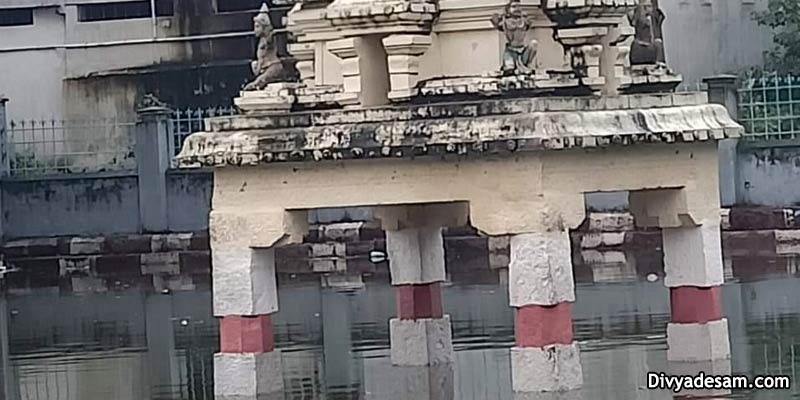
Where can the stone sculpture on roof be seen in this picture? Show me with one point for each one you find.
(520, 53)
(269, 66)
(648, 45)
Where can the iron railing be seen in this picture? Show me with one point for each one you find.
(44, 147)
(191, 120)
(769, 108)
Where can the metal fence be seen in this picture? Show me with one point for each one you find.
(63, 147)
(188, 121)
(769, 108)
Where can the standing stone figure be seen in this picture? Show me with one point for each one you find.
(520, 54)
(648, 44)
(268, 67)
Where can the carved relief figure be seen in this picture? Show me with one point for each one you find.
(268, 67)
(648, 45)
(520, 54)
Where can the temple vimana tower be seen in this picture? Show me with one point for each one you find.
(498, 115)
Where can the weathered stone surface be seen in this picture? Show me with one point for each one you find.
(541, 269)
(195, 262)
(341, 232)
(119, 266)
(248, 374)
(497, 126)
(698, 342)
(171, 242)
(709, 368)
(80, 246)
(129, 244)
(244, 281)
(607, 239)
(416, 255)
(421, 342)
(787, 241)
(693, 256)
(757, 218)
(37, 247)
(391, 382)
(161, 263)
(610, 222)
(555, 368)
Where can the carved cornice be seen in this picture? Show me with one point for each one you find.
(483, 128)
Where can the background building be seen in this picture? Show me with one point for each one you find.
(78, 59)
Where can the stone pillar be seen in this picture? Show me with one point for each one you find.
(421, 333)
(246, 297)
(161, 349)
(724, 90)
(337, 343)
(305, 53)
(9, 387)
(542, 290)
(403, 53)
(153, 133)
(694, 274)
(5, 161)
(365, 75)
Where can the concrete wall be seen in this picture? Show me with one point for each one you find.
(99, 204)
(710, 37)
(189, 200)
(70, 206)
(768, 176)
(64, 62)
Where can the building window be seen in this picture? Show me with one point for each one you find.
(16, 16)
(224, 6)
(124, 10)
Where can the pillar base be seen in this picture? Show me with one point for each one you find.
(571, 395)
(698, 342)
(387, 382)
(716, 368)
(555, 368)
(421, 342)
(248, 375)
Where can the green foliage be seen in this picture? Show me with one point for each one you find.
(783, 17)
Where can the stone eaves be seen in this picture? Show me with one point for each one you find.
(470, 128)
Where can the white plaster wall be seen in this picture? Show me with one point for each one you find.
(708, 37)
(27, 72)
(32, 82)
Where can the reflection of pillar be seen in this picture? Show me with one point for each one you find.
(388, 382)
(161, 343)
(245, 296)
(8, 383)
(694, 274)
(546, 359)
(421, 333)
(337, 345)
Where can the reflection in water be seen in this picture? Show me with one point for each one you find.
(135, 345)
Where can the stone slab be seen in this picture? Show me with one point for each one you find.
(244, 281)
(693, 256)
(698, 342)
(416, 255)
(540, 272)
(421, 342)
(248, 374)
(554, 368)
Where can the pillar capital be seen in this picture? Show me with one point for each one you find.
(403, 52)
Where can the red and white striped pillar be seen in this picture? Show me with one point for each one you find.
(542, 289)
(421, 334)
(694, 275)
(245, 299)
